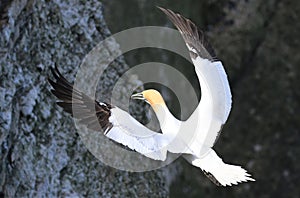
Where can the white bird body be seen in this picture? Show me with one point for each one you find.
(194, 137)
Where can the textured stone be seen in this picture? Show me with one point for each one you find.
(41, 153)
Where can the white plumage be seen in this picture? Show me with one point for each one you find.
(129, 132)
(194, 137)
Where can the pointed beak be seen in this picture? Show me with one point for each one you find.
(138, 96)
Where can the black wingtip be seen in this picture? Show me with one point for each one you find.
(161, 8)
(79, 105)
(167, 12)
(51, 82)
(57, 76)
(56, 73)
(53, 71)
(191, 34)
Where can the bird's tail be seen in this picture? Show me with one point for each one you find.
(217, 171)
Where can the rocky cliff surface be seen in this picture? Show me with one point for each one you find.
(41, 153)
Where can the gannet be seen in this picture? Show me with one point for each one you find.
(195, 141)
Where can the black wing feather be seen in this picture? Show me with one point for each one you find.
(192, 36)
(88, 111)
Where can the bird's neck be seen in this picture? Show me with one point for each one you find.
(166, 120)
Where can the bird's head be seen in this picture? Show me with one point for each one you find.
(158, 104)
(150, 96)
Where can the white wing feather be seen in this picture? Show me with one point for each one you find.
(215, 86)
(215, 105)
(129, 132)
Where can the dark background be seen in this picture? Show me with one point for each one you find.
(41, 153)
(258, 44)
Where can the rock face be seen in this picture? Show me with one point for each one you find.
(41, 153)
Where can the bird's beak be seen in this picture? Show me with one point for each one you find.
(138, 96)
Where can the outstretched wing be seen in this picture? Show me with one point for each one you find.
(115, 123)
(193, 37)
(215, 104)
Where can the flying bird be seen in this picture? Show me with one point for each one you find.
(194, 137)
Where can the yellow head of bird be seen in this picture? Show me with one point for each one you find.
(151, 96)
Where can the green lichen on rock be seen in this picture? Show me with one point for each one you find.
(41, 153)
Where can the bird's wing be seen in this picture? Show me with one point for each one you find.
(115, 123)
(192, 36)
(215, 104)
